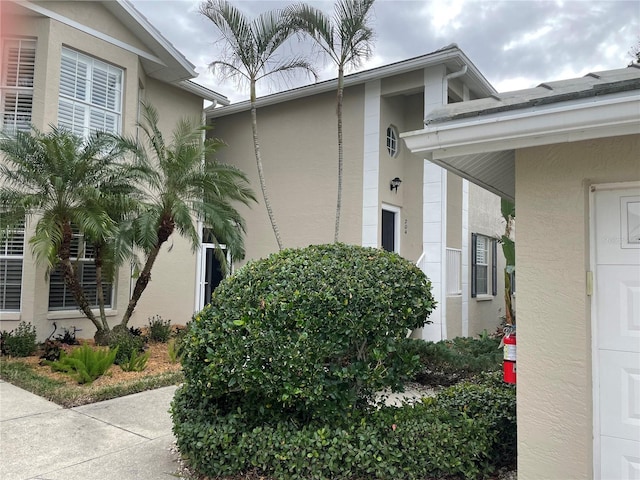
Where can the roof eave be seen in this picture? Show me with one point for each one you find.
(177, 67)
(606, 116)
(207, 94)
(452, 55)
(481, 149)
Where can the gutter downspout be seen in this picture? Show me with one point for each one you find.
(457, 74)
(453, 75)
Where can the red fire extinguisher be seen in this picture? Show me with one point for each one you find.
(509, 363)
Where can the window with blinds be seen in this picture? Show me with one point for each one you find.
(11, 259)
(90, 94)
(61, 297)
(483, 256)
(16, 87)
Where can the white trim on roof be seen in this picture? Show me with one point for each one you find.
(605, 116)
(207, 94)
(453, 56)
(157, 36)
(90, 31)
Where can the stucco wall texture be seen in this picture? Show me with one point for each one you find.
(172, 104)
(555, 407)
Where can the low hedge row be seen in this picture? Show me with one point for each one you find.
(450, 361)
(467, 431)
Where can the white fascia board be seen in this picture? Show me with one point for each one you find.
(596, 117)
(204, 92)
(158, 37)
(90, 31)
(358, 78)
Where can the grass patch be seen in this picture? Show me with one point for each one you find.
(67, 395)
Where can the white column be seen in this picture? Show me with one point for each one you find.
(434, 208)
(434, 213)
(371, 164)
(465, 258)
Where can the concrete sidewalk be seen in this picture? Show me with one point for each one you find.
(126, 438)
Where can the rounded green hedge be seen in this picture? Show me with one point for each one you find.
(307, 332)
(466, 431)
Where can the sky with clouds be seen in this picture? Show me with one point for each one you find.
(515, 43)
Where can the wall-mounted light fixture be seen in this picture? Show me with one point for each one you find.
(395, 183)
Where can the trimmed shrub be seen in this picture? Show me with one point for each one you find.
(159, 329)
(307, 332)
(19, 342)
(460, 433)
(451, 361)
(494, 401)
(126, 344)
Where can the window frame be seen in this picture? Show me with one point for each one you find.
(490, 266)
(7, 239)
(20, 87)
(84, 97)
(393, 141)
(82, 259)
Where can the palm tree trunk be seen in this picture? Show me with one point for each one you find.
(167, 225)
(141, 284)
(99, 292)
(340, 153)
(263, 186)
(64, 254)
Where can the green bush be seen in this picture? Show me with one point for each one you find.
(20, 342)
(137, 362)
(494, 401)
(126, 344)
(85, 363)
(450, 361)
(307, 332)
(159, 329)
(50, 350)
(462, 433)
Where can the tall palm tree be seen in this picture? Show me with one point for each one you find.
(252, 48)
(347, 39)
(183, 186)
(67, 181)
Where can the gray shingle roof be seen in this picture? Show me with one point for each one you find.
(591, 85)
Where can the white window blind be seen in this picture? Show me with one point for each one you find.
(60, 296)
(16, 87)
(482, 257)
(11, 259)
(90, 94)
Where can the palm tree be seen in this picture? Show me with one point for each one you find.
(67, 181)
(183, 186)
(252, 48)
(346, 38)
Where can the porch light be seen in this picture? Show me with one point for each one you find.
(395, 183)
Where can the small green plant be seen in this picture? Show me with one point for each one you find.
(68, 336)
(159, 329)
(126, 344)
(137, 362)
(85, 363)
(19, 342)
(135, 331)
(172, 351)
(50, 350)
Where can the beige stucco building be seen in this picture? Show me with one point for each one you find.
(430, 218)
(86, 65)
(568, 153)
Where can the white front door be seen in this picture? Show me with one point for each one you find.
(616, 362)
